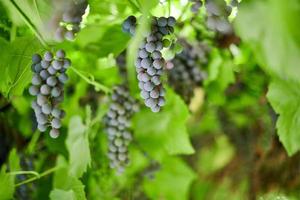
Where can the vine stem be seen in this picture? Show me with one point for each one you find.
(169, 7)
(92, 82)
(25, 172)
(45, 173)
(29, 23)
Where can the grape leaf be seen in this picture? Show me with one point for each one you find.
(7, 187)
(270, 28)
(164, 131)
(78, 147)
(171, 182)
(112, 41)
(284, 97)
(57, 194)
(63, 181)
(15, 65)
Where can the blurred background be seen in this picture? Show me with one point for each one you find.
(230, 128)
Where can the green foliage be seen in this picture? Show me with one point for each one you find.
(275, 43)
(15, 65)
(78, 147)
(165, 132)
(166, 181)
(284, 98)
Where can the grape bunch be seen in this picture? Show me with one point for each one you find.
(196, 5)
(217, 16)
(185, 73)
(47, 85)
(150, 63)
(70, 19)
(117, 126)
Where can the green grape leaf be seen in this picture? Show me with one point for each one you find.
(78, 147)
(164, 131)
(57, 194)
(284, 97)
(64, 181)
(14, 160)
(112, 41)
(270, 28)
(171, 182)
(15, 65)
(7, 187)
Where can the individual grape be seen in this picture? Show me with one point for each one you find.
(55, 92)
(162, 21)
(33, 90)
(42, 127)
(60, 54)
(44, 74)
(47, 86)
(55, 123)
(56, 64)
(63, 78)
(45, 89)
(36, 58)
(46, 109)
(54, 133)
(48, 56)
(117, 125)
(51, 81)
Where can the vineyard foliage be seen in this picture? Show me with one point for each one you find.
(207, 106)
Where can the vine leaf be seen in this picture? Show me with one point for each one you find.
(174, 175)
(64, 184)
(15, 65)
(165, 131)
(284, 97)
(78, 147)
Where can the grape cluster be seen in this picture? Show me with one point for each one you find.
(150, 63)
(47, 85)
(196, 5)
(70, 20)
(117, 125)
(185, 73)
(217, 16)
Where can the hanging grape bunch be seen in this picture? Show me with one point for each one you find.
(150, 63)
(47, 86)
(217, 16)
(186, 74)
(117, 125)
(70, 18)
(196, 5)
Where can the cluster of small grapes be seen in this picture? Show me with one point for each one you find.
(117, 125)
(217, 16)
(70, 20)
(25, 191)
(185, 73)
(150, 63)
(48, 87)
(196, 5)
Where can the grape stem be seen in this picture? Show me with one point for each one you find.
(134, 5)
(29, 23)
(45, 173)
(25, 172)
(91, 81)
